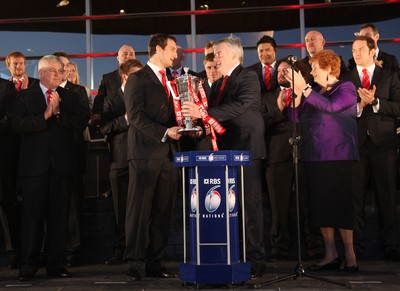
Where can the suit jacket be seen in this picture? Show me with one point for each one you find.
(150, 115)
(278, 129)
(328, 122)
(9, 139)
(31, 81)
(381, 125)
(239, 112)
(48, 142)
(109, 84)
(207, 88)
(388, 61)
(258, 68)
(81, 92)
(171, 77)
(115, 126)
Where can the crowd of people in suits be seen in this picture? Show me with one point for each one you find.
(346, 117)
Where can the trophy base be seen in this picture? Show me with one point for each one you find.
(188, 130)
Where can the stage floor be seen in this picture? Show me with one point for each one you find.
(374, 275)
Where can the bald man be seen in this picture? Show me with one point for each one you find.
(111, 82)
(315, 43)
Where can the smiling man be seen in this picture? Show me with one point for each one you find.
(235, 101)
(16, 64)
(47, 116)
(265, 68)
(152, 139)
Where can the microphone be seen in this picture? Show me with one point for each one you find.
(292, 59)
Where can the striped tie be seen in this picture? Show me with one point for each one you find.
(366, 83)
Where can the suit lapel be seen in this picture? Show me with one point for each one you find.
(377, 76)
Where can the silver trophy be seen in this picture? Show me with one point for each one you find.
(182, 86)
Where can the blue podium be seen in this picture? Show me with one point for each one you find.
(211, 205)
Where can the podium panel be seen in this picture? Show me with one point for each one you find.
(211, 186)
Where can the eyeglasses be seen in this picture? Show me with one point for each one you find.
(55, 71)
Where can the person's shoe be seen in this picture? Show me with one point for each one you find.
(114, 261)
(258, 269)
(25, 275)
(278, 258)
(13, 261)
(133, 274)
(332, 265)
(59, 273)
(73, 261)
(160, 273)
(393, 255)
(351, 269)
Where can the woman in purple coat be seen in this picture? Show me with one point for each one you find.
(327, 115)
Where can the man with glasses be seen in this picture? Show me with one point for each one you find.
(46, 116)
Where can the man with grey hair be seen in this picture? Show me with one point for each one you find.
(235, 101)
(46, 116)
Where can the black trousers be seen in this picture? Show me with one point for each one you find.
(150, 200)
(44, 201)
(379, 166)
(119, 181)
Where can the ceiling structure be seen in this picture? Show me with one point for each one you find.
(145, 17)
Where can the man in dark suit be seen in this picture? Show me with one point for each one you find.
(176, 70)
(377, 110)
(265, 68)
(382, 59)
(211, 71)
(114, 125)
(110, 82)
(46, 116)
(16, 64)
(235, 101)
(73, 257)
(9, 145)
(152, 140)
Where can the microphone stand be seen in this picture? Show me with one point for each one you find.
(299, 271)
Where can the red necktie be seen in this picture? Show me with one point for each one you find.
(164, 82)
(175, 74)
(18, 85)
(288, 96)
(48, 96)
(221, 89)
(267, 76)
(366, 83)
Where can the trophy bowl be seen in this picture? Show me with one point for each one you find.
(182, 86)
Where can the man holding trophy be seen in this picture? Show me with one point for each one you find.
(235, 102)
(152, 139)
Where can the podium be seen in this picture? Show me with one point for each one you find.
(211, 195)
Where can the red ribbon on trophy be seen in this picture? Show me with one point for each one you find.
(208, 120)
(177, 103)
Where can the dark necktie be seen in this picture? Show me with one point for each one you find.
(366, 83)
(48, 96)
(164, 82)
(221, 89)
(267, 76)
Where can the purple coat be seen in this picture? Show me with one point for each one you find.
(329, 123)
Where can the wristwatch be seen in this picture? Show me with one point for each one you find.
(375, 102)
(306, 88)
